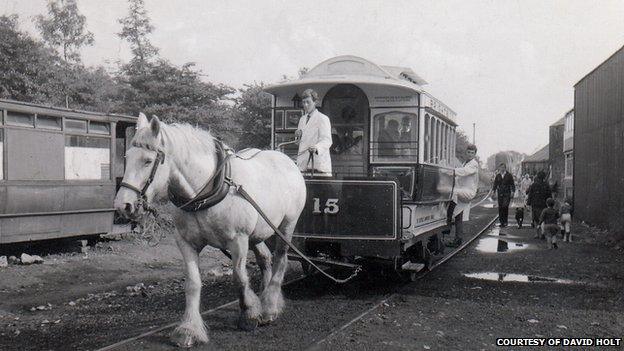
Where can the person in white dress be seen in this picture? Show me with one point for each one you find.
(314, 133)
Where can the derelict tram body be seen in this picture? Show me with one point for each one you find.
(386, 198)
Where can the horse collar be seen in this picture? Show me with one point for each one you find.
(215, 189)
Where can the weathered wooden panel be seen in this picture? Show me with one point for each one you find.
(89, 196)
(31, 225)
(33, 198)
(598, 144)
(34, 155)
(87, 223)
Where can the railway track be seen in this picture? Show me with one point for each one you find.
(318, 345)
(157, 338)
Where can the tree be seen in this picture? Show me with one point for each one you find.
(28, 70)
(135, 30)
(64, 29)
(253, 116)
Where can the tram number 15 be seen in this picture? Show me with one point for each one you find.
(331, 206)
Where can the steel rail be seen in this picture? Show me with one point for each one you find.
(174, 324)
(317, 344)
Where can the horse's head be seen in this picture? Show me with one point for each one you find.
(147, 171)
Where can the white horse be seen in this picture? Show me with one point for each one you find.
(180, 159)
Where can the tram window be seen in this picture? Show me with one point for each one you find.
(99, 128)
(292, 119)
(20, 119)
(75, 125)
(49, 122)
(395, 137)
(87, 158)
(1, 154)
(427, 137)
(278, 119)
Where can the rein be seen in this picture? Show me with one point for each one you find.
(220, 191)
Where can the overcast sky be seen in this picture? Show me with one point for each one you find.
(508, 66)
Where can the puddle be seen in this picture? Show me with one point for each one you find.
(496, 231)
(490, 245)
(511, 277)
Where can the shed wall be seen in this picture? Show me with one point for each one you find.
(599, 144)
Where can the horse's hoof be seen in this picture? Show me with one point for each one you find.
(184, 340)
(247, 324)
(183, 337)
(266, 320)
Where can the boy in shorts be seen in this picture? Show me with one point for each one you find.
(566, 220)
(548, 222)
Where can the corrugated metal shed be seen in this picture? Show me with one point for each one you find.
(599, 144)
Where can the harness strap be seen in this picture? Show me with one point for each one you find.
(281, 235)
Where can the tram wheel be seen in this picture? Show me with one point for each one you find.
(428, 259)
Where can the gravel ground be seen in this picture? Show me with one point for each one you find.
(451, 309)
(95, 300)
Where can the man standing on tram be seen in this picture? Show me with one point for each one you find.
(467, 183)
(314, 133)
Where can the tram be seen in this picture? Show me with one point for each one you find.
(59, 170)
(392, 142)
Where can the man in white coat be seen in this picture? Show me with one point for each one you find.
(466, 185)
(314, 131)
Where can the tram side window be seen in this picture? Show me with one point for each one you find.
(87, 158)
(395, 137)
(1, 154)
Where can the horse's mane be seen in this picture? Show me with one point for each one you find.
(180, 138)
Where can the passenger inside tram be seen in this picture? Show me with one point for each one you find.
(389, 139)
(346, 139)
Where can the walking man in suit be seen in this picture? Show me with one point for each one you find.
(505, 187)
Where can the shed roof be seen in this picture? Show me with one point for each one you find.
(602, 63)
(540, 155)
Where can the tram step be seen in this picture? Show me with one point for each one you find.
(411, 266)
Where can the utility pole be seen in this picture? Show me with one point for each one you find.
(473, 133)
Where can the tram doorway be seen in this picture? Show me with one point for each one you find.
(347, 107)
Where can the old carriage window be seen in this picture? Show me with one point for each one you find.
(99, 128)
(20, 119)
(87, 157)
(292, 118)
(395, 137)
(75, 125)
(49, 122)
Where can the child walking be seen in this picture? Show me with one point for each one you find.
(566, 220)
(548, 222)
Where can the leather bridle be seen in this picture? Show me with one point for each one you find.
(160, 159)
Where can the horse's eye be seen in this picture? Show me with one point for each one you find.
(147, 162)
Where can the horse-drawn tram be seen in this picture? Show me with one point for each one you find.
(392, 146)
(58, 171)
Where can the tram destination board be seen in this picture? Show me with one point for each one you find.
(350, 209)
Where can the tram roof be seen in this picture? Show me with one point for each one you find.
(42, 109)
(349, 69)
